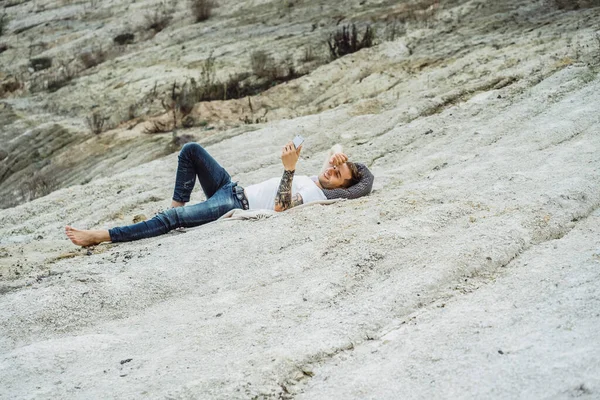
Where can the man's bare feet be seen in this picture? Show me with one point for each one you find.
(86, 237)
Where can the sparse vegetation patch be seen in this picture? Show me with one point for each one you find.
(41, 63)
(96, 122)
(345, 41)
(124, 38)
(158, 19)
(10, 85)
(575, 4)
(202, 9)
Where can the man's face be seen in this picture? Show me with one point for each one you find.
(335, 177)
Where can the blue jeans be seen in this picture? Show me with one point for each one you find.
(216, 184)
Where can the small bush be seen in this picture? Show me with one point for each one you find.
(207, 71)
(188, 96)
(124, 38)
(10, 85)
(96, 122)
(233, 88)
(264, 66)
(41, 63)
(208, 88)
(159, 18)
(575, 4)
(345, 41)
(4, 20)
(202, 9)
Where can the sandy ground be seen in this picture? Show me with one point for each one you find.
(471, 271)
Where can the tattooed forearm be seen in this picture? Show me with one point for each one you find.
(283, 199)
(296, 200)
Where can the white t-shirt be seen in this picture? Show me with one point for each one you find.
(262, 195)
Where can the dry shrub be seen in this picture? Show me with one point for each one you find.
(124, 38)
(9, 85)
(96, 122)
(209, 88)
(574, 4)
(345, 41)
(202, 9)
(264, 66)
(40, 63)
(158, 19)
(179, 101)
(233, 88)
(251, 119)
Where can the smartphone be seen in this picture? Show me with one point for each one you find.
(298, 140)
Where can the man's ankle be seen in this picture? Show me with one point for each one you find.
(175, 204)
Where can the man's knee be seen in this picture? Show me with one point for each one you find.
(190, 148)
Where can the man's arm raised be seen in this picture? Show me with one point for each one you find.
(330, 156)
(284, 199)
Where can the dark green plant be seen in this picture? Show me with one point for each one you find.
(345, 41)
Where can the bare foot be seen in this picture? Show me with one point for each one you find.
(86, 237)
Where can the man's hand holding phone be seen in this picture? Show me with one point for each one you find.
(290, 155)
